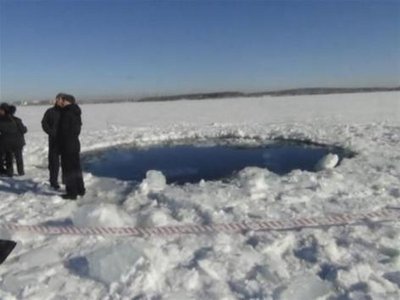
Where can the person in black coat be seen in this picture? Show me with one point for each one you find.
(3, 109)
(50, 124)
(3, 170)
(8, 140)
(20, 140)
(69, 128)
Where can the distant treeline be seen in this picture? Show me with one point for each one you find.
(290, 92)
(229, 94)
(322, 91)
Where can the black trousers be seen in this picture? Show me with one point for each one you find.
(2, 162)
(54, 163)
(9, 171)
(19, 159)
(7, 161)
(72, 173)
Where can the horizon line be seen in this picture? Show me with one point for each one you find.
(224, 94)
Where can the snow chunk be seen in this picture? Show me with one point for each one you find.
(159, 218)
(357, 273)
(156, 217)
(305, 287)
(254, 182)
(329, 161)
(393, 277)
(40, 258)
(108, 264)
(155, 181)
(180, 295)
(5, 234)
(215, 269)
(101, 215)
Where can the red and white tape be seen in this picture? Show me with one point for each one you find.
(387, 214)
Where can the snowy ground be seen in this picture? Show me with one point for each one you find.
(346, 262)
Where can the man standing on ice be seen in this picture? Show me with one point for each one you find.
(8, 142)
(19, 140)
(69, 128)
(50, 122)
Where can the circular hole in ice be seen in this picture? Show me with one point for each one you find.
(182, 163)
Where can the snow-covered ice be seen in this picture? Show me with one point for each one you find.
(345, 262)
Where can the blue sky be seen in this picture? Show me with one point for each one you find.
(100, 49)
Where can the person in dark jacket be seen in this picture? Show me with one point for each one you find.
(50, 123)
(8, 142)
(3, 170)
(20, 140)
(69, 128)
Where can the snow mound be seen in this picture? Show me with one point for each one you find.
(101, 215)
(155, 181)
(329, 161)
(156, 217)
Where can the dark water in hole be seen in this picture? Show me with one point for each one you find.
(185, 163)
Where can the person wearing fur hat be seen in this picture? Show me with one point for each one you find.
(69, 128)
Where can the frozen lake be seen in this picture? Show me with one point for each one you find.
(343, 262)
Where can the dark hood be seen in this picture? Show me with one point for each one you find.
(74, 108)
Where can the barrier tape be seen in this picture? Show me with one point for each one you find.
(386, 214)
